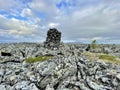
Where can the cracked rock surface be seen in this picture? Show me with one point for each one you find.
(68, 70)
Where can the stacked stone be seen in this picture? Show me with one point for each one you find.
(53, 38)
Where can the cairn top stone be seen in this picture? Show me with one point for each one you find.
(53, 38)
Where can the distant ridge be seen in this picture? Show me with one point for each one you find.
(80, 42)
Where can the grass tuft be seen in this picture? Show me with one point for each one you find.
(103, 57)
(38, 59)
(107, 57)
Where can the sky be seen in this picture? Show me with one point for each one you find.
(78, 20)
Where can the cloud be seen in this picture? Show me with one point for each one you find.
(4, 5)
(12, 7)
(46, 7)
(26, 12)
(53, 25)
(91, 21)
(16, 27)
(32, 18)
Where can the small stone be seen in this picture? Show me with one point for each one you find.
(2, 72)
(115, 82)
(12, 78)
(49, 88)
(8, 72)
(23, 85)
(118, 76)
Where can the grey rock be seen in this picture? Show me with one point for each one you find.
(2, 72)
(115, 82)
(118, 76)
(46, 68)
(82, 85)
(25, 85)
(105, 80)
(95, 86)
(118, 87)
(45, 81)
(8, 72)
(5, 87)
(48, 87)
(31, 76)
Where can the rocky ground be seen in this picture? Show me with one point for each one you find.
(67, 70)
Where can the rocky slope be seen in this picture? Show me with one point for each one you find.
(67, 70)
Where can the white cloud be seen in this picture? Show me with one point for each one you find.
(38, 4)
(53, 25)
(17, 27)
(48, 7)
(12, 7)
(26, 12)
(91, 21)
(6, 4)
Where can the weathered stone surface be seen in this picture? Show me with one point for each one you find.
(68, 70)
(48, 87)
(24, 85)
(5, 87)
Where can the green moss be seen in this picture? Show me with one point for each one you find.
(103, 57)
(107, 57)
(38, 59)
(110, 58)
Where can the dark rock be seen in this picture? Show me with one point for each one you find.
(23, 54)
(5, 54)
(4, 62)
(53, 38)
(88, 48)
(60, 53)
(48, 54)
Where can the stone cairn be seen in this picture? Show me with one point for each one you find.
(53, 38)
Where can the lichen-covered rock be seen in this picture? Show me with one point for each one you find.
(25, 85)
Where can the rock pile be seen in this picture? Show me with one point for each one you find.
(53, 38)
